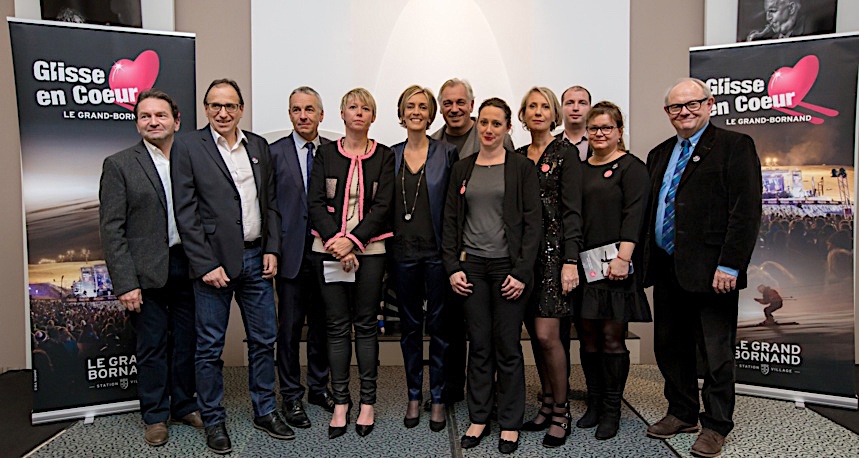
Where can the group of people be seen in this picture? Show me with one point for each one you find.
(477, 237)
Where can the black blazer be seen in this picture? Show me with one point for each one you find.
(207, 205)
(440, 157)
(522, 214)
(718, 208)
(291, 203)
(328, 196)
(133, 221)
(590, 152)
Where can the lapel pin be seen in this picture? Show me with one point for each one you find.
(255, 160)
(545, 168)
(696, 158)
(607, 174)
(614, 166)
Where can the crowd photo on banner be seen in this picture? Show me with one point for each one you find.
(741, 221)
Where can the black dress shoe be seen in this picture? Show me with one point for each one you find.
(411, 422)
(274, 426)
(363, 430)
(507, 447)
(436, 426)
(336, 431)
(323, 400)
(473, 441)
(294, 414)
(217, 439)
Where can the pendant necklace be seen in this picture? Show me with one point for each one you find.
(407, 216)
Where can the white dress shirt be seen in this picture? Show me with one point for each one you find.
(239, 165)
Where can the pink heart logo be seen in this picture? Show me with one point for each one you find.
(139, 75)
(797, 79)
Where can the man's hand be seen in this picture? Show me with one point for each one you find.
(569, 278)
(217, 277)
(132, 300)
(724, 283)
(269, 266)
(341, 247)
(460, 284)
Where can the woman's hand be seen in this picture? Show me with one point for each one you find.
(460, 283)
(349, 262)
(618, 269)
(341, 247)
(569, 278)
(512, 288)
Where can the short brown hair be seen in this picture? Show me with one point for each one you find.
(157, 94)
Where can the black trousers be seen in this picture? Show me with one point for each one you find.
(166, 341)
(347, 305)
(299, 299)
(495, 353)
(684, 321)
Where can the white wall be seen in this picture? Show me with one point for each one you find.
(503, 47)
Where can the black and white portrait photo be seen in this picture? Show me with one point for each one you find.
(769, 19)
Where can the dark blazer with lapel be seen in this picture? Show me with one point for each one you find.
(522, 214)
(440, 157)
(292, 204)
(133, 221)
(718, 208)
(207, 205)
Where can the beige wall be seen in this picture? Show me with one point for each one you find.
(12, 316)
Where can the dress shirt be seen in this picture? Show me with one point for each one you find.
(162, 165)
(666, 183)
(581, 145)
(301, 152)
(239, 164)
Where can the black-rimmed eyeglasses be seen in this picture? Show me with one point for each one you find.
(692, 105)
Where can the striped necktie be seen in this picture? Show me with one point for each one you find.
(668, 220)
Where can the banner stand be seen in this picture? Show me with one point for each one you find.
(87, 412)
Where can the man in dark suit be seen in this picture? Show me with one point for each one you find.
(224, 192)
(297, 288)
(148, 267)
(576, 103)
(704, 214)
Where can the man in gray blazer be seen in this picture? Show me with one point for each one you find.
(224, 191)
(456, 102)
(296, 284)
(148, 267)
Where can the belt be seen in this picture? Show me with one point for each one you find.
(253, 244)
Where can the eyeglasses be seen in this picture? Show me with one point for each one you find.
(216, 107)
(606, 130)
(692, 105)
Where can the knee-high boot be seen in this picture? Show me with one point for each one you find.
(615, 370)
(591, 366)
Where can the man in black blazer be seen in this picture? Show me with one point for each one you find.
(224, 192)
(704, 214)
(576, 103)
(296, 284)
(148, 267)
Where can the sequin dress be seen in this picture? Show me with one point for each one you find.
(559, 170)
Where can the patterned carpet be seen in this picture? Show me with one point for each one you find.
(764, 428)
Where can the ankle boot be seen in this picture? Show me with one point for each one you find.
(615, 369)
(591, 366)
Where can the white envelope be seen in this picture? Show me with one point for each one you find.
(333, 273)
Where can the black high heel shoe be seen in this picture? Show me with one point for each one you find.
(507, 447)
(336, 431)
(550, 441)
(411, 422)
(436, 426)
(363, 430)
(531, 425)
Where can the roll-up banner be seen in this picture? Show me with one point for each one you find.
(797, 99)
(77, 86)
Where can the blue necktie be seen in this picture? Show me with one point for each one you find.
(309, 146)
(668, 219)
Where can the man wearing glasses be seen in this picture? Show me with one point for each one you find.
(224, 196)
(704, 214)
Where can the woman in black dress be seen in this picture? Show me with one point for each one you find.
(422, 174)
(556, 272)
(349, 199)
(491, 235)
(614, 195)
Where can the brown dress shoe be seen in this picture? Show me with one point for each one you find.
(669, 427)
(192, 419)
(156, 434)
(709, 444)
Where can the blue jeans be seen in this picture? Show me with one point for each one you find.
(165, 345)
(416, 280)
(255, 297)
